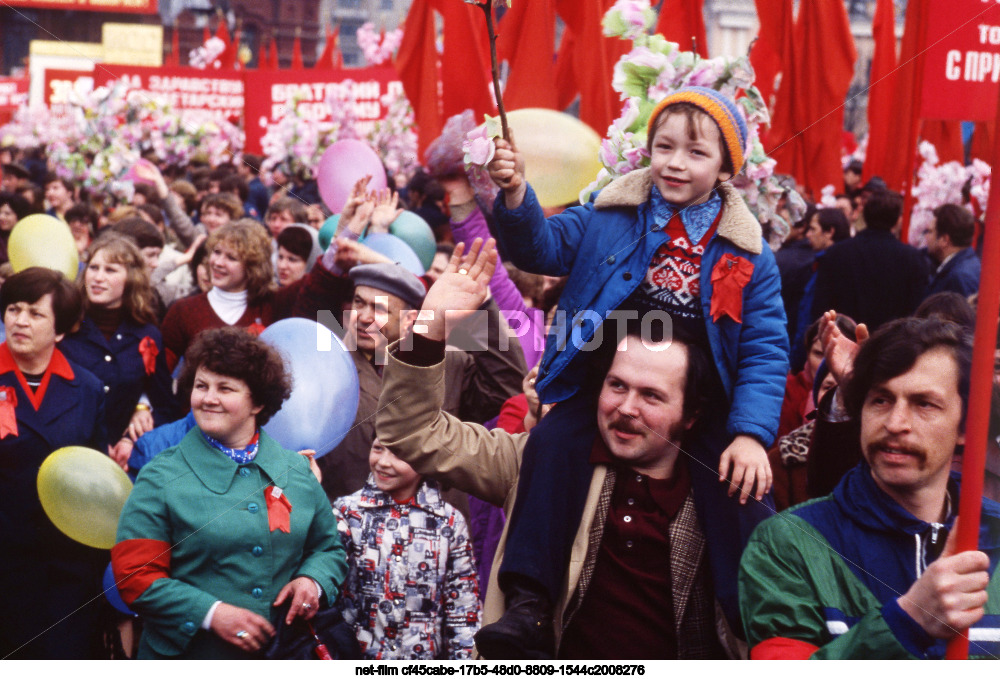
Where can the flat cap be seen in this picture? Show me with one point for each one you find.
(391, 278)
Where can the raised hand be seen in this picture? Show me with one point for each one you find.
(459, 291)
(358, 196)
(386, 210)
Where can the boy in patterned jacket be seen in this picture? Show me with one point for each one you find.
(412, 590)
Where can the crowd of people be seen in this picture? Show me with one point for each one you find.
(574, 433)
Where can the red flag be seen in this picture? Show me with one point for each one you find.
(337, 57)
(594, 58)
(526, 39)
(232, 59)
(273, 64)
(174, 57)
(809, 116)
(262, 58)
(566, 87)
(465, 64)
(206, 35)
(881, 94)
(297, 52)
(905, 125)
(773, 42)
(326, 58)
(222, 31)
(417, 64)
(946, 135)
(683, 22)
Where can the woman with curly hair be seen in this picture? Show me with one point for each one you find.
(243, 293)
(118, 340)
(227, 533)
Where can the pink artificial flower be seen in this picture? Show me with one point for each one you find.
(478, 147)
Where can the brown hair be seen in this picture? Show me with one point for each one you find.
(694, 117)
(223, 201)
(293, 206)
(137, 299)
(252, 244)
(235, 353)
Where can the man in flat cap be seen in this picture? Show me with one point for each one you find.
(477, 380)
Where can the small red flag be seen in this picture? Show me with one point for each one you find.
(279, 510)
(149, 351)
(297, 52)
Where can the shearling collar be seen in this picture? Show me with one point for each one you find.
(738, 224)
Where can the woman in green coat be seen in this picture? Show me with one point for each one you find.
(227, 532)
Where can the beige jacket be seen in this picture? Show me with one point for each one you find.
(483, 463)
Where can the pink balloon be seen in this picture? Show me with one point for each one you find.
(341, 166)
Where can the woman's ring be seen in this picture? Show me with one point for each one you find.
(306, 606)
(242, 634)
(463, 271)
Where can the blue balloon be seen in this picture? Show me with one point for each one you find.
(328, 230)
(396, 249)
(324, 399)
(112, 595)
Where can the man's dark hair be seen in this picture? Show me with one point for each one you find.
(955, 222)
(150, 193)
(803, 223)
(235, 353)
(140, 231)
(32, 284)
(234, 182)
(53, 177)
(154, 213)
(882, 210)
(446, 249)
(855, 166)
(220, 173)
(845, 324)
(894, 349)
(833, 219)
(17, 203)
(294, 207)
(252, 163)
(84, 213)
(948, 306)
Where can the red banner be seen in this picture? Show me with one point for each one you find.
(270, 93)
(216, 92)
(60, 82)
(13, 95)
(124, 6)
(962, 67)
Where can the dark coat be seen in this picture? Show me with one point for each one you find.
(960, 274)
(44, 575)
(873, 278)
(118, 364)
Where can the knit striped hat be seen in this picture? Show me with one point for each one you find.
(720, 108)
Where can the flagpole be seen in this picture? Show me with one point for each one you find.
(981, 385)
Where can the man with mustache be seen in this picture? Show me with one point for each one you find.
(870, 570)
(637, 582)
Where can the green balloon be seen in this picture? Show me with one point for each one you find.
(415, 232)
(327, 231)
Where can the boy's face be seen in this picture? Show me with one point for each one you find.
(686, 170)
(392, 475)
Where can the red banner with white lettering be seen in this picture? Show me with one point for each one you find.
(270, 93)
(13, 93)
(962, 67)
(218, 93)
(124, 6)
(60, 82)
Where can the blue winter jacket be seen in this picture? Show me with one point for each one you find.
(606, 246)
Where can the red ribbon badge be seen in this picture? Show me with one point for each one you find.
(148, 351)
(730, 275)
(255, 328)
(8, 418)
(279, 510)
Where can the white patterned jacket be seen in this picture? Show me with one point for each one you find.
(412, 589)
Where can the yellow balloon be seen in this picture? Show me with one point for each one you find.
(83, 492)
(43, 240)
(560, 153)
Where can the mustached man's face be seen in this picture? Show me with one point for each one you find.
(911, 424)
(641, 411)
